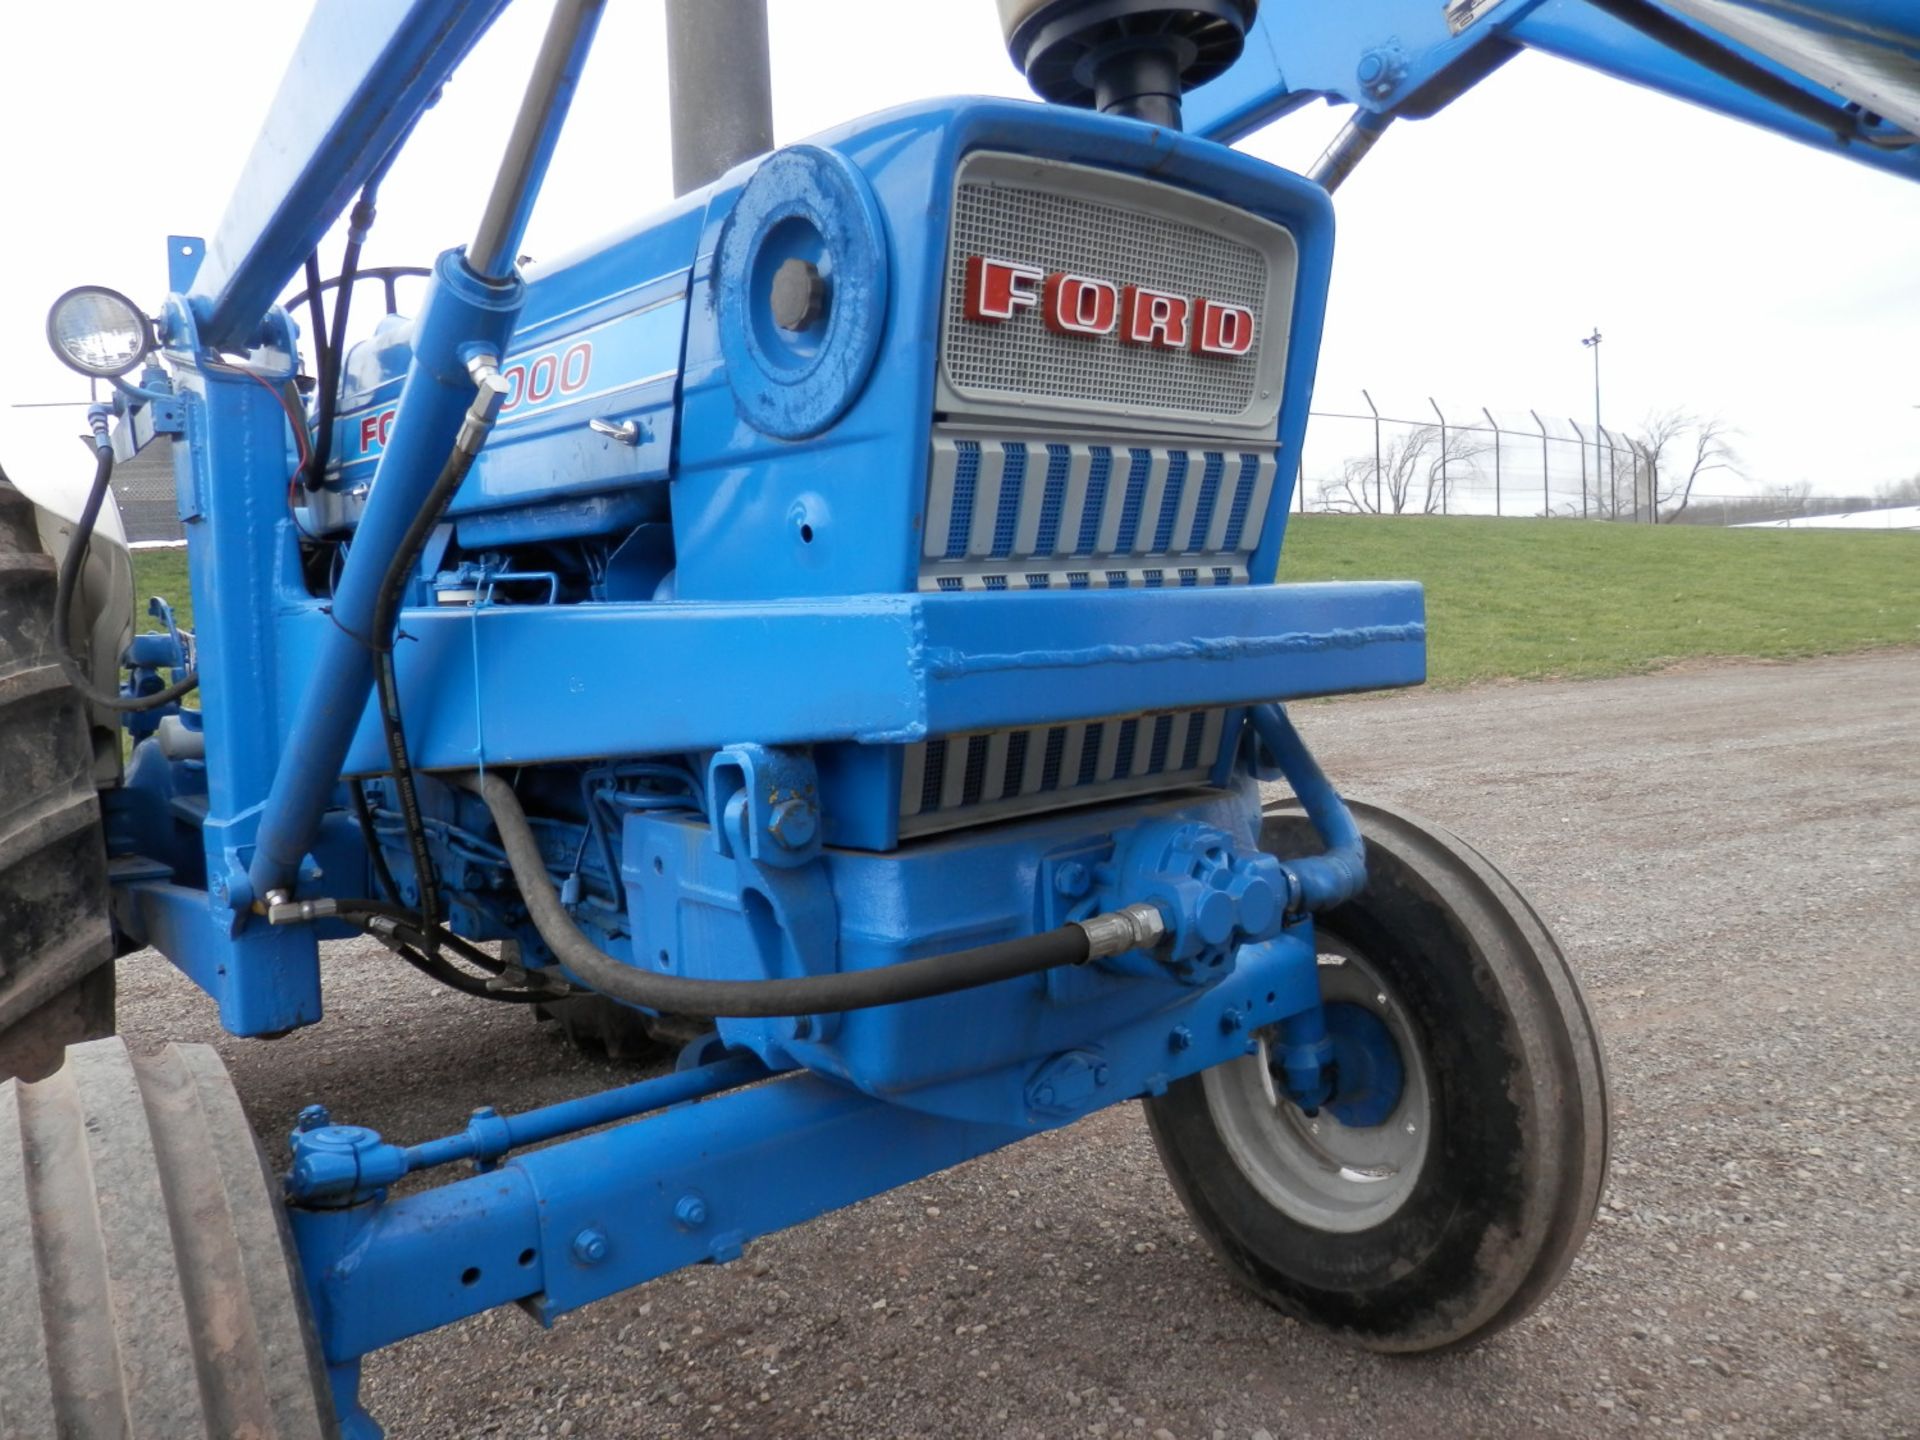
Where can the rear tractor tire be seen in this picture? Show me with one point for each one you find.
(1443, 1191)
(148, 1288)
(56, 942)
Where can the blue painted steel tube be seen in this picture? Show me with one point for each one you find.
(464, 315)
(1324, 880)
(490, 1136)
(575, 1222)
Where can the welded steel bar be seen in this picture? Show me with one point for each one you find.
(351, 92)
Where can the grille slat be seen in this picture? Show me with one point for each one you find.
(1099, 470)
(1027, 515)
(956, 780)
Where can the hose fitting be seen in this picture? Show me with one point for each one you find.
(1132, 927)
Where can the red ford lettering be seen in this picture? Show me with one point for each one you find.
(1078, 305)
(1223, 329)
(999, 289)
(374, 428)
(1088, 307)
(1155, 317)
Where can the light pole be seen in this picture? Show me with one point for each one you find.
(1592, 342)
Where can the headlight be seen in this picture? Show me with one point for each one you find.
(98, 331)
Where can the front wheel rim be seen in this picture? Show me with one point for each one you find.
(1315, 1170)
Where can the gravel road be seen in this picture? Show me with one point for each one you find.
(1732, 857)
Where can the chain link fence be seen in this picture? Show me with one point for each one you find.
(1453, 460)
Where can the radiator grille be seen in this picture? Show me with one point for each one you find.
(1084, 514)
(1128, 246)
(955, 780)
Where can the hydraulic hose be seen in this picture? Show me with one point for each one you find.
(69, 584)
(1325, 880)
(1071, 944)
(491, 392)
(404, 933)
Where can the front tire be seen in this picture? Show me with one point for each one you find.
(1451, 1208)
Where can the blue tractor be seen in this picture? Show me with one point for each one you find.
(825, 631)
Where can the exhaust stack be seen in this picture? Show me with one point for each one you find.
(719, 87)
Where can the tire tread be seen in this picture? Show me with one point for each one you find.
(148, 1291)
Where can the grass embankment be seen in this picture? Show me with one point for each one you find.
(1526, 599)
(162, 573)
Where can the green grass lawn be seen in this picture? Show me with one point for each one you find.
(162, 573)
(1526, 599)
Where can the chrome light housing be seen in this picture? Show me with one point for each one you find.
(99, 332)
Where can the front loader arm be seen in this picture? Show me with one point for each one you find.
(1843, 75)
(350, 94)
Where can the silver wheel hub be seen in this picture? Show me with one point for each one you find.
(1312, 1168)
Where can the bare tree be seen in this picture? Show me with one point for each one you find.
(1686, 447)
(1899, 492)
(1414, 473)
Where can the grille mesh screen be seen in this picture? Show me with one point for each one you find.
(1073, 233)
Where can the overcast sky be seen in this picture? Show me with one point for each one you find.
(1732, 273)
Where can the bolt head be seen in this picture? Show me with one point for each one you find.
(590, 1246)
(799, 298)
(691, 1211)
(1231, 1019)
(312, 1118)
(1372, 66)
(1072, 880)
(794, 822)
(1181, 1038)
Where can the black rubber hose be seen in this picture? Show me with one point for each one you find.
(405, 940)
(389, 888)
(317, 316)
(359, 223)
(408, 938)
(751, 999)
(386, 615)
(70, 566)
(360, 912)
